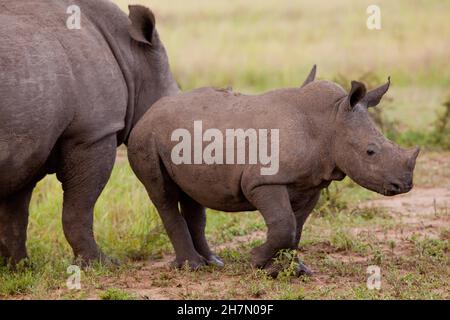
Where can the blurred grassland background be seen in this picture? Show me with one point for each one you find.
(258, 46)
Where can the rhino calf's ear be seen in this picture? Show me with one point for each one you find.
(142, 26)
(373, 97)
(311, 77)
(357, 93)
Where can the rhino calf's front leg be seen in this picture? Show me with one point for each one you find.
(302, 209)
(273, 203)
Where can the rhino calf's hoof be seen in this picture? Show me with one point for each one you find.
(214, 260)
(303, 270)
(101, 258)
(273, 269)
(192, 263)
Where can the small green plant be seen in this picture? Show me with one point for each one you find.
(116, 294)
(378, 257)
(331, 201)
(344, 241)
(290, 293)
(16, 283)
(259, 288)
(286, 261)
(432, 248)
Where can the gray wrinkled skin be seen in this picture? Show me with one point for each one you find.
(325, 134)
(68, 98)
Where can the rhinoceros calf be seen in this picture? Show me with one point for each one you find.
(68, 98)
(323, 135)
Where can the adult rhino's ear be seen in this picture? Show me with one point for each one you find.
(311, 76)
(142, 26)
(356, 94)
(374, 96)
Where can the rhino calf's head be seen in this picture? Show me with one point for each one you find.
(363, 153)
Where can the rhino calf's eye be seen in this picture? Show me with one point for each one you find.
(370, 152)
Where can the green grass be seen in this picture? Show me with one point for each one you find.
(115, 294)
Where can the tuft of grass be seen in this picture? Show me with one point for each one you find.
(343, 241)
(116, 294)
(292, 293)
(19, 283)
(331, 201)
(433, 248)
(287, 262)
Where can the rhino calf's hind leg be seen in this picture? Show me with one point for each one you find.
(195, 216)
(165, 196)
(84, 172)
(13, 226)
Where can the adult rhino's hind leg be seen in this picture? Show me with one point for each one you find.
(13, 226)
(195, 216)
(84, 171)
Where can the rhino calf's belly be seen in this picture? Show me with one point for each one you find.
(219, 201)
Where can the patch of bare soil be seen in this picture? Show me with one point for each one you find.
(242, 240)
(155, 280)
(423, 211)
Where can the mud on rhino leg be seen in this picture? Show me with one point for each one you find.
(195, 216)
(13, 226)
(273, 203)
(84, 172)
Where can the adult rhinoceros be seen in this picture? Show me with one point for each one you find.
(68, 98)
